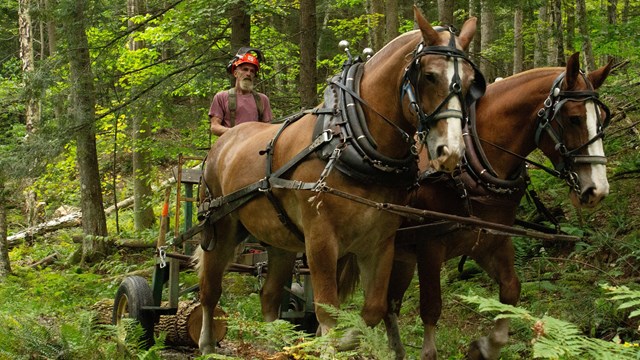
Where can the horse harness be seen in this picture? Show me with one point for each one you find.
(476, 181)
(341, 138)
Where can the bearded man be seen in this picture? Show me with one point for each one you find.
(241, 103)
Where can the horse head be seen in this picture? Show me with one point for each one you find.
(570, 131)
(436, 81)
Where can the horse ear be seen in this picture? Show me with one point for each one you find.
(573, 70)
(597, 77)
(429, 35)
(467, 32)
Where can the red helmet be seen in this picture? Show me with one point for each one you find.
(246, 59)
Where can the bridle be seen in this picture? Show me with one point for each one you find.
(552, 105)
(410, 84)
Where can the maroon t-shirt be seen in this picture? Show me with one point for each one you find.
(246, 109)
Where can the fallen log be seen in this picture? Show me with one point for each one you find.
(181, 329)
(46, 260)
(73, 219)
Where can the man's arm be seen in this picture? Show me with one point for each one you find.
(216, 126)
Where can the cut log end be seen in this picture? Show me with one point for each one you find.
(182, 329)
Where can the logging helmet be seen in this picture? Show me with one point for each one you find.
(245, 56)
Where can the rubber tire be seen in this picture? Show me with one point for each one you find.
(134, 293)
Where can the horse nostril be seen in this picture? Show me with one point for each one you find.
(442, 150)
(587, 194)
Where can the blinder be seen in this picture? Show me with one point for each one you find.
(412, 76)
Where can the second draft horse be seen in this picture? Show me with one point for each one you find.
(268, 180)
(554, 109)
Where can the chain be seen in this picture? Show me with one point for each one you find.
(162, 255)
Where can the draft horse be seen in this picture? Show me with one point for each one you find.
(554, 109)
(271, 181)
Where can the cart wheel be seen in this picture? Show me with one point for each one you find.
(309, 322)
(134, 293)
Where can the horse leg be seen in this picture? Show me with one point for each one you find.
(498, 261)
(281, 263)
(430, 257)
(401, 275)
(374, 271)
(322, 258)
(211, 268)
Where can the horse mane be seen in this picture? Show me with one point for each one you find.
(393, 45)
(525, 77)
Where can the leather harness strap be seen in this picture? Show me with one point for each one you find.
(233, 105)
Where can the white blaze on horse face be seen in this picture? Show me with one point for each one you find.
(598, 171)
(447, 145)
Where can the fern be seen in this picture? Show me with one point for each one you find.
(554, 338)
(630, 297)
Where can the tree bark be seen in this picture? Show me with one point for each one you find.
(518, 45)
(557, 38)
(570, 28)
(474, 10)
(240, 30)
(143, 217)
(28, 66)
(83, 116)
(541, 36)
(376, 9)
(391, 20)
(487, 30)
(587, 49)
(612, 19)
(5, 264)
(308, 54)
(445, 12)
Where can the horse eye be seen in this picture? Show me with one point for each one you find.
(429, 76)
(575, 120)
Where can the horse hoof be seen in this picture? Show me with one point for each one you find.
(474, 352)
(482, 349)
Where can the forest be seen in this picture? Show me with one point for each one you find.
(101, 102)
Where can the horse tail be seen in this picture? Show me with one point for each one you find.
(348, 274)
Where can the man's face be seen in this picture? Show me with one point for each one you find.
(245, 74)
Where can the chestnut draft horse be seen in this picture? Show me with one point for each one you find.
(554, 109)
(272, 181)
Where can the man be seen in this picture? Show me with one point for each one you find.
(241, 103)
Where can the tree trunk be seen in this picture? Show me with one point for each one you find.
(570, 29)
(308, 54)
(587, 49)
(445, 12)
(612, 19)
(474, 10)
(240, 30)
(518, 45)
(376, 9)
(5, 264)
(143, 217)
(83, 116)
(557, 37)
(540, 49)
(391, 20)
(28, 66)
(487, 30)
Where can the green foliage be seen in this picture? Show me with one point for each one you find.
(553, 338)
